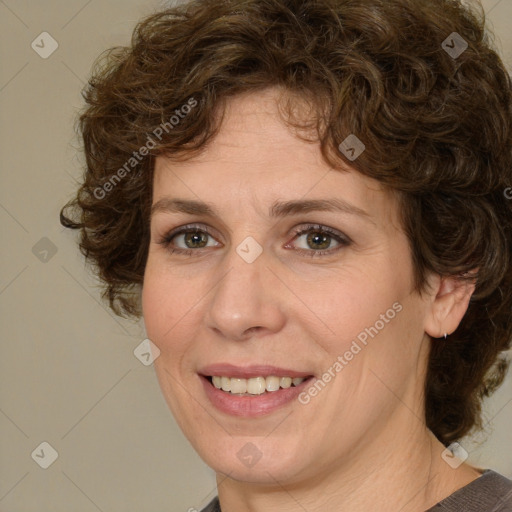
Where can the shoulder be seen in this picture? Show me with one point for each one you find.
(213, 506)
(491, 492)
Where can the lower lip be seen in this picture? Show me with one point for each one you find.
(252, 406)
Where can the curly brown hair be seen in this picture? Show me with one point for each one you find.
(436, 126)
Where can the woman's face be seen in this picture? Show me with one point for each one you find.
(253, 298)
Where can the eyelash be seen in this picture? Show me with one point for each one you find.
(343, 240)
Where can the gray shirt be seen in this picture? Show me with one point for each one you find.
(491, 492)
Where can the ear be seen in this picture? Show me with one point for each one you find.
(449, 303)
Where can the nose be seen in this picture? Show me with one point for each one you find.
(245, 303)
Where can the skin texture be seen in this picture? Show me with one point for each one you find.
(364, 434)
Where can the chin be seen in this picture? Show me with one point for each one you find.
(254, 459)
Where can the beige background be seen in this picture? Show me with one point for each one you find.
(68, 373)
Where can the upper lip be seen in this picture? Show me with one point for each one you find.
(246, 372)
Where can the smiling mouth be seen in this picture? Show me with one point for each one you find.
(255, 385)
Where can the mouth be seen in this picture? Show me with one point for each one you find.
(252, 391)
(255, 385)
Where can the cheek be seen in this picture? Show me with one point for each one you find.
(374, 321)
(163, 305)
(356, 307)
(168, 321)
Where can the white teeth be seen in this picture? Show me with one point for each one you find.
(285, 382)
(272, 383)
(254, 385)
(226, 383)
(238, 385)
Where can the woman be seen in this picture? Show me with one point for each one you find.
(306, 202)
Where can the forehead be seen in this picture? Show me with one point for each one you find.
(256, 158)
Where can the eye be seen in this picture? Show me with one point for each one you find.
(191, 238)
(318, 240)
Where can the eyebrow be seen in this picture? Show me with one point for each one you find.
(278, 210)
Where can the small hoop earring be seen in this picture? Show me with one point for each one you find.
(445, 335)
